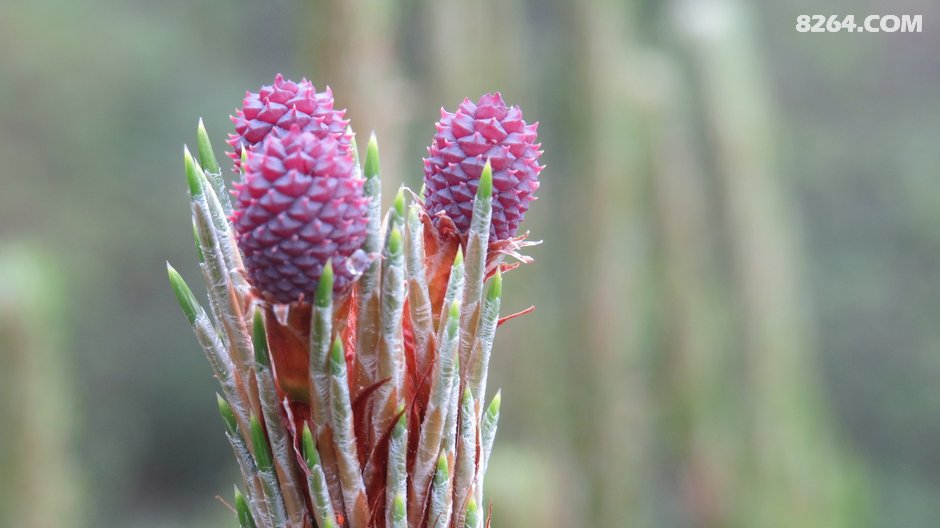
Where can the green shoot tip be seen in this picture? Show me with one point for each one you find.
(493, 410)
(259, 339)
(311, 457)
(485, 187)
(245, 520)
(227, 415)
(443, 472)
(400, 202)
(204, 147)
(193, 178)
(259, 443)
(371, 167)
(472, 518)
(324, 296)
(495, 290)
(398, 508)
(184, 295)
(394, 242)
(337, 357)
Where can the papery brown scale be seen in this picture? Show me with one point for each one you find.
(362, 423)
(289, 351)
(441, 241)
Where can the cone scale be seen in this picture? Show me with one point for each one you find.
(352, 351)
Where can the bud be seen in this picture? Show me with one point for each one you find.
(465, 140)
(275, 109)
(227, 415)
(245, 519)
(299, 206)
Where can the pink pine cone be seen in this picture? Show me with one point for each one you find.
(464, 141)
(278, 107)
(298, 206)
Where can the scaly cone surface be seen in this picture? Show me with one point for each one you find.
(351, 352)
(278, 107)
(465, 140)
(298, 206)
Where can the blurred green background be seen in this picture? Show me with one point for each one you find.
(737, 297)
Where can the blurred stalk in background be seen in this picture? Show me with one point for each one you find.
(789, 468)
(39, 484)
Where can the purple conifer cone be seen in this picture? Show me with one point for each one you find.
(278, 107)
(464, 141)
(298, 206)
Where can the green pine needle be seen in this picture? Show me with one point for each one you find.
(473, 514)
(399, 204)
(485, 187)
(495, 290)
(398, 511)
(371, 167)
(442, 475)
(204, 147)
(260, 340)
(492, 412)
(259, 442)
(338, 358)
(394, 242)
(227, 415)
(311, 457)
(325, 287)
(245, 519)
(184, 295)
(192, 173)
